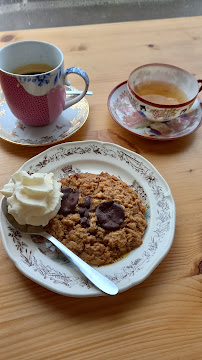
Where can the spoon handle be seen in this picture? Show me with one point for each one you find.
(77, 92)
(99, 280)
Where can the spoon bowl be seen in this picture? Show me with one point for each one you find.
(99, 280)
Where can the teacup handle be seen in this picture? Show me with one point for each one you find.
(200, 81)
(82, 73)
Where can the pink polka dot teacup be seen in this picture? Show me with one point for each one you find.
(33, 80)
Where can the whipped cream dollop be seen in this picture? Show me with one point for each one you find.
(33, 199)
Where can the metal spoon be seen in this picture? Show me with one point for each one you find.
(77, 92)
(100, 281)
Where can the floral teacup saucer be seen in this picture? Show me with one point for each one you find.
(15, 131)
(125, 115)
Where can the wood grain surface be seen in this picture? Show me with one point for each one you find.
(162, 317)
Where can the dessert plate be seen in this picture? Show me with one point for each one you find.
(15, 131)
(37, 259)
(125, 115)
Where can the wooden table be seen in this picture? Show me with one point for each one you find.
(162, 317)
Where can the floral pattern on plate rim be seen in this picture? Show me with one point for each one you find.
(164, 210)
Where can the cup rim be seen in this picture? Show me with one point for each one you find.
(160, 105)
(33, 41)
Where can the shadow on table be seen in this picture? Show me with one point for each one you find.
(143, 146)
(113, 134)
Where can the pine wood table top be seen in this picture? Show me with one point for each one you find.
(160, 318)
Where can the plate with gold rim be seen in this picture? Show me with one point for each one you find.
(37, 259)
(69, 122)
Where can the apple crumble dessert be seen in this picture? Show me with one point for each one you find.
(101, 218)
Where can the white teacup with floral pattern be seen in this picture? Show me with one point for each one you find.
(166, 73)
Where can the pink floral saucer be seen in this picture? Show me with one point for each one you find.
(125, 115)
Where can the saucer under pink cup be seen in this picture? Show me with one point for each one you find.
(39, 99)
(166, 73)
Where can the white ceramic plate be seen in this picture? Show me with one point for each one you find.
(39, 260)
